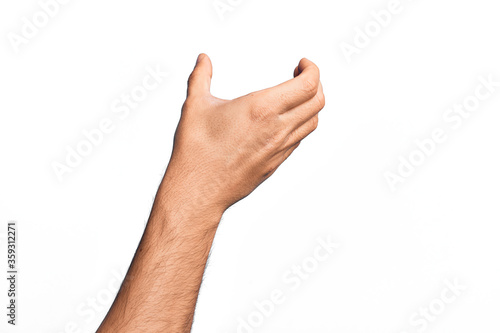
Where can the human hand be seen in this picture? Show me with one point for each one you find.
(223, 149)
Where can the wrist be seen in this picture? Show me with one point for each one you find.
(192, 191)
(183, 206)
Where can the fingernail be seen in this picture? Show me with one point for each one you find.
(200, 57)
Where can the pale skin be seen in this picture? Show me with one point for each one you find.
(223, 150)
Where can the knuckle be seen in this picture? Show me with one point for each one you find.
(187, 106)
(314, 122)
(189, 103)
(282, 98)
(192, 77)
(260, 113)
(310, 86)
(275, 140)
(280, 136)
(270, 169)
(321, 100)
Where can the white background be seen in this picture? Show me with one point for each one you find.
(397, 248)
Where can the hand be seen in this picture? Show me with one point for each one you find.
(224, 149)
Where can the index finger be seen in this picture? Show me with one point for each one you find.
(298, 90)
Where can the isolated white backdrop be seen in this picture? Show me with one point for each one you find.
(397, 248)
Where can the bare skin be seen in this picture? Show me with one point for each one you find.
(223, 150)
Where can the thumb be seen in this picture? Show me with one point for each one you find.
(201, 77)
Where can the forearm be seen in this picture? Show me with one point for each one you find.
(161, 287)
(222, 151)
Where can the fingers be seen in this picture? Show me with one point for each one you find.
(296, 91)
(201, 77)
(302, 113)
(300, 133)
(290, 150)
